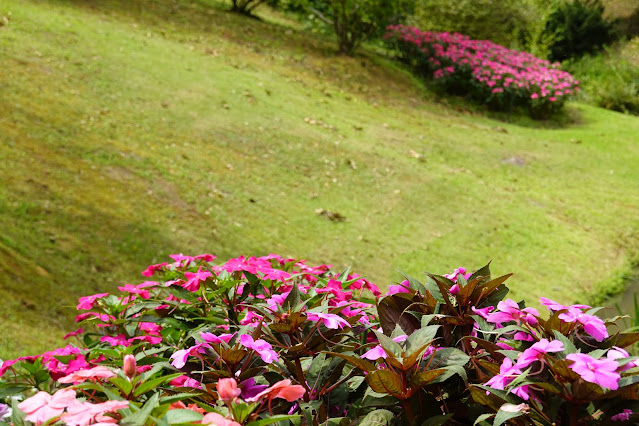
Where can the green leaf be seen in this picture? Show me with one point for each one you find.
(385, 381)
(437, 420)
(293, 299)
(391, 313)
(17, 415)
(424, 378)
(139, 418)
(378, 418)
(273, 419)
(569, 347)
(504, 414)
(151, 384)
(483, 418)
(170, 399)
(355, 361)
(123, 384)
(182, 416)
(415, 284)
(389, 345)
(420, 339)
(481, 272)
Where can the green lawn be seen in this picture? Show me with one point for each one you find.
(130, 130)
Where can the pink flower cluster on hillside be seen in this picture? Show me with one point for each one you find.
(490, 68)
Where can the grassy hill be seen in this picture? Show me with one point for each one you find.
(132, 130)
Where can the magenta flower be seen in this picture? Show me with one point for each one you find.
(262, 347)
(194, 279)
(616, 353)
(507, 373)
(623, 416)
(537, 352)
(87, 302)
(593, 325)
(378, 352)
(402, 287)
(600, 371)
(148, 272)
(509, 311)
(331, 321)
(216, 340)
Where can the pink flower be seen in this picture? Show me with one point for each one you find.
(331, 321)
(454, 290)
(592, 324)
(227, 390)
(600, 371)
(129, 366)
(282, 389)
(402, 287)
(216, 340)
(507, 373)
(73, 333)
(42, 406)
(275, 275)
(215, 419)
(96, 373)
(251, 318)
(87, 302)
(148, 272)
(194, 279)
(179, 357)
(537, 352)
(262, 347)
(378, 352)
(509, 311)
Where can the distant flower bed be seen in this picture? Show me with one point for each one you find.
(486, 71)
(271, 340)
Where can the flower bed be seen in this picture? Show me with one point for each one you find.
(484, 70)
(269, 340)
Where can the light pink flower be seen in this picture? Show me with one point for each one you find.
(282, 389)
(96, 373)
(215, 419)
(42, 406)
(84, 413)
(227, 390)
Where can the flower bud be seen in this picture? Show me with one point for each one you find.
(129, 366)
(227, 390)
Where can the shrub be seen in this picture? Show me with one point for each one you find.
(608, 80)
(270, 340)
(485, 71)
(578, 27)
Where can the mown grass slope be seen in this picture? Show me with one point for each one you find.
(132, 130)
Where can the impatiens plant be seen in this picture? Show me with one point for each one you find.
(485, 71)
(269, 340)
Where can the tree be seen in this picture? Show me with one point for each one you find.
(245, 6)
(355, 21)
